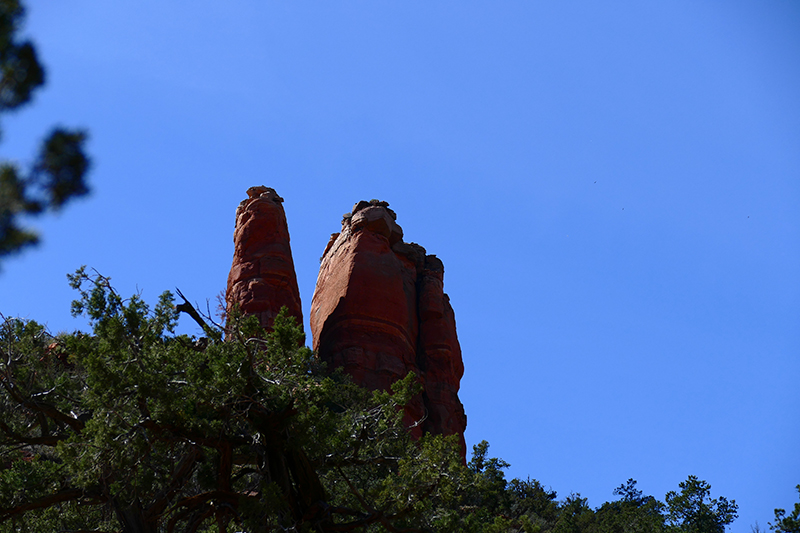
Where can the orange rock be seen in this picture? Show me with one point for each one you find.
(440, 353)
(379, 312)
(262, 277)
(379, 309)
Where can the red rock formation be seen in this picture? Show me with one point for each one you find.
(379, 311)
(262, 277)
(439, 354)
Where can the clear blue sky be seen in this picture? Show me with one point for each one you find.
(613, 188)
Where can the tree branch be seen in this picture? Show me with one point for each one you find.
(16, 438)
(47, 501)
(189, 309)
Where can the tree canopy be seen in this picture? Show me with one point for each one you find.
(135, 429)
(59, 171)
(787, 524)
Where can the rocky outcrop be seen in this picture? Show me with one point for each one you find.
(379, 311)
(262, 278)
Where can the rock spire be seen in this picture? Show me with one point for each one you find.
(379, 311)
(262, 277)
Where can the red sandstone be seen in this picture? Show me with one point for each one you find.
(379, 312)
(262, 278)
(379, 309)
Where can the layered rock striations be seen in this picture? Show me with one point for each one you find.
(262, 277)
(379, 311)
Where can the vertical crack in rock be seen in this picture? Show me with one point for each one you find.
(379, 311)
(262, 277)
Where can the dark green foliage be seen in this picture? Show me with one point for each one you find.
(787, 524)
(136, 429)
(632, 513)
(488, 503)
(58, 174)
(61, 167)
(21, 71)
(693, 510)
(575, 516)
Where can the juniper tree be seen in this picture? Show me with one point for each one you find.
(133, 428)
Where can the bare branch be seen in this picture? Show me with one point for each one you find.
(189, 309)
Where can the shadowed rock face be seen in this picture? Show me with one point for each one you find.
(379, 311)
(262, 278)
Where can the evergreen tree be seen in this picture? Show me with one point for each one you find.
(632, 513)
(787, 524)
(58, 174)
(135, 429)
(692, 510)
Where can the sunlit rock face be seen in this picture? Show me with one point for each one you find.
(379, 311)
(262, 277)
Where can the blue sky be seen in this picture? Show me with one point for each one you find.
(613, 188)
